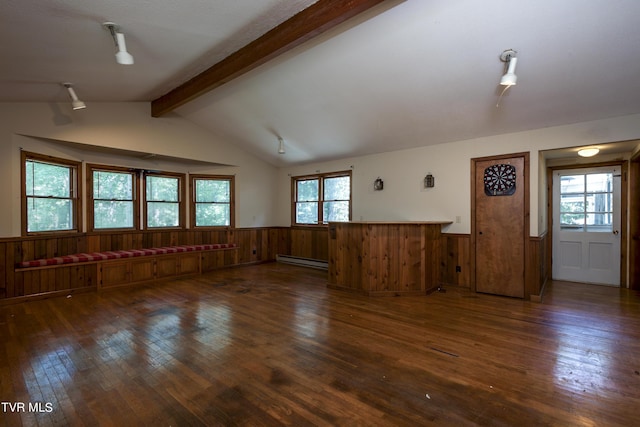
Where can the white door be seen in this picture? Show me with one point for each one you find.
(586, 225)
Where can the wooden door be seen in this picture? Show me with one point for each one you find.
(499, 201)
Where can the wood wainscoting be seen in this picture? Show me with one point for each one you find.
(310, 242)
(456, 252)
(385, 258)
(255, 245)
(455, 268)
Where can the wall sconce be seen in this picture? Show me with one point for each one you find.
(378, 184)
(429, 181)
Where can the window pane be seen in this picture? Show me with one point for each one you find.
(210, 190)
(212, 215)
(572, 203)
(308, 190)
(572, 184)
(162, 189)
(336, 211)
(49, 214)
(600, 182)
(161, 214)
(47, 180)
(114, 214)
(572, 221)
(601, 202)
(337, 188)
(307, 213)
(112, 185)
(600, 222)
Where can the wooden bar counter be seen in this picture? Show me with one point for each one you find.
(385, 258)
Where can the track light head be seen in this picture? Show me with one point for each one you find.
(509, 78)
(122, 56)
(75, 102)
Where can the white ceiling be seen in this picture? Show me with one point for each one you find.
(404, 74)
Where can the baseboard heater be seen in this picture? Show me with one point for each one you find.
(303, 262)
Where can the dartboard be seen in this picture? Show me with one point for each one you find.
(500, 180)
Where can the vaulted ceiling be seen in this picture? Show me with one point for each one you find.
(397, 75)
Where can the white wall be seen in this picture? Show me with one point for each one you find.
(127, 126)
(404, 197)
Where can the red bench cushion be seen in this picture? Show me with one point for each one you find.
(107, 255)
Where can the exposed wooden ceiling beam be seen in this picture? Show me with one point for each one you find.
(312, 21)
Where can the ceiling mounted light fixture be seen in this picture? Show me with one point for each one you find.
(509, 57)
(122, 56)
(588, 152)
(75, 102)
(280, 146)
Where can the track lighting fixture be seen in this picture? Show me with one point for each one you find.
(280, 146)
(509, 78)
(122, 56)
(75, 102)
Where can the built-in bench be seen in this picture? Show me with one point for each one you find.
(124, 267)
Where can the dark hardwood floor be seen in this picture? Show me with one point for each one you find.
(270, 345)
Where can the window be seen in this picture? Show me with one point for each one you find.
(212, 201)
(50, 196)
(318, 199)
(164, 195)
(112, 198)
(586, 202)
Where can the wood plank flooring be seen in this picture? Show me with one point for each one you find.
(270, 345)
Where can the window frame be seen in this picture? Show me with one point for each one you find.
(192, 203)
(321, 177)
(75, 169)
(90, 168)
(182, 183)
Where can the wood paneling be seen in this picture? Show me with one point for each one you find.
(634, 223)
(310, 242)
(387, 271)
(456, 252)
(385, 258)
(142, 269)
(538, 266)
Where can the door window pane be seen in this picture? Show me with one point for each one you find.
(572, 184)
(599, 182)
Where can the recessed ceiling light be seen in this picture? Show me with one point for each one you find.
(588, 152)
